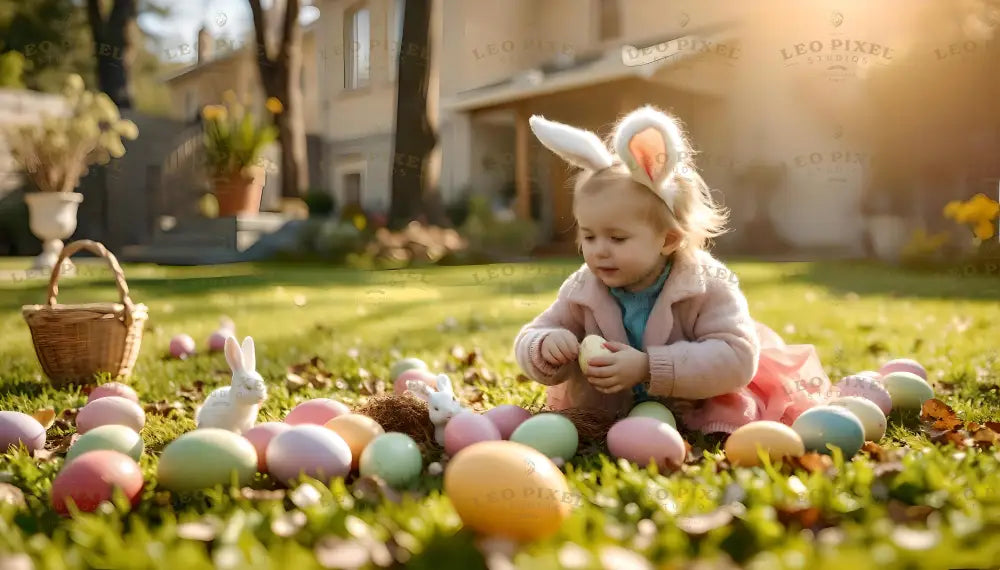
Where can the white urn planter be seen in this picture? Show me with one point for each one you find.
(52, 218)
(889, 236)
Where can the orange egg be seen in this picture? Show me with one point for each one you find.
(357, 430)
(504, 488)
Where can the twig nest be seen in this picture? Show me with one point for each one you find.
(401, 413)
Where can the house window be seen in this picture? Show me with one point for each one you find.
(608, 20)
(357, 40)
(399, 9)
(351, 193)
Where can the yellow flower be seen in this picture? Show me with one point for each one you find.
(951, 210)
(360, 222)
(274, 105)
(984, 230)
(213, 112)
(229, 96)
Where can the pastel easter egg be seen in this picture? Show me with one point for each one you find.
(867, 387)
(775, 439)
(903, 365)
(114, 437)
(204, 458)
(217, 340)
(830, 425)
(113, 389)
(871, 416)
(550, 433)
(590, 347)
(405, 364)
(641, 439)
(651, 409)
(260, 436)
(467, 428)
(417, 374)
(17, 428)
(308, 450)
(907, 390)
(507, 489)
(182, 346)
(394, 457)
(110, 410)
(358, 431)
(92, 479)
(507, 417)
(316, 411)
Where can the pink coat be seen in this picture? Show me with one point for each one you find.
(703, 346)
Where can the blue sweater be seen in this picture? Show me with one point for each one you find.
(636, 307)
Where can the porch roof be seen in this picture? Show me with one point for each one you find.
(566, 73)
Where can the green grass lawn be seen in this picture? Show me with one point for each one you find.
(925, 506)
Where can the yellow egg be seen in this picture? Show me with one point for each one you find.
(357, 430)
(507, 489)
(777, 439)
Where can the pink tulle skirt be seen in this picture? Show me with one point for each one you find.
(789, 380)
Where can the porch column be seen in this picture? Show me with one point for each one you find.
(522, 174)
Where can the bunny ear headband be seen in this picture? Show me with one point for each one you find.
(649, 143)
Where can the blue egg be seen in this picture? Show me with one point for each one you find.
(831, 425)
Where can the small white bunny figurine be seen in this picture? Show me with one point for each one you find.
(235, 407)
(441, 403)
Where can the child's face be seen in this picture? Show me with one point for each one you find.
(619, 245)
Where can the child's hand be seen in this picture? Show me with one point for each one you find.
(560, 347)
(619, 371)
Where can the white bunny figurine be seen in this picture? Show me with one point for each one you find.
(235, 407)
(441, 403)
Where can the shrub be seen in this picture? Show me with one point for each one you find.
(320, 203)
(491, 236)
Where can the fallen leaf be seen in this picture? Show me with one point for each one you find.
(375, 489)
(61, 444)
(883, 469)
(995, 426)
(807, 517)
(902, 513)
(43, 455)
(812, 462)
(45, 416)
(984, 437)
(939, 415)
(952, 436)
(163, 407)
(874, 451)
(294, 382)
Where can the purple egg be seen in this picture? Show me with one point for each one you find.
(308, 449)
(467, 428)
(507, 417)
(865, 386)
(641, 439)
(903, 365)
(17, 428)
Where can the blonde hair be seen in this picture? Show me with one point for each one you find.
(697, 218)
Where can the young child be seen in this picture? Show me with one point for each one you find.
(674, 317)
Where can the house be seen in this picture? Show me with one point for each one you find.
(755, 84)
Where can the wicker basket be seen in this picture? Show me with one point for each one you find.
(76, 342)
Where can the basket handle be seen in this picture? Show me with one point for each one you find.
(97, 249)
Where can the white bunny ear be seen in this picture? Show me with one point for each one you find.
(652, 145)
(576, 146)
(419, 389)
(249, 355)
(444, 384)
(234, 356)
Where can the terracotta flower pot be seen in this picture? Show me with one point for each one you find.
(240, 193)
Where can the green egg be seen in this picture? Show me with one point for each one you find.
(204, 458)
(651, 409)
(406, 364)
(392, 456)
(907, 390)
(112, 437)
(552, 434)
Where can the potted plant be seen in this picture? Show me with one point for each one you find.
(234, 144)
(56, 152)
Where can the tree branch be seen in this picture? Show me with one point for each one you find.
(122, 11)
(290, 26)
(258, 29)
(95, 20)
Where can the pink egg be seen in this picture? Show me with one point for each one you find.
(316, 411)
(507, 417)
(903, 365)
(310, 450)
(641, 439)
(260, 436)
(865, 386)
(113, 389)
(110, 410)
(91, 479)
(217, 340)
(467, 428)
(17, 428)
(418, 374)
(181, 346)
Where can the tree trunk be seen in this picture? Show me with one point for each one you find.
(414, 181)
(114, 48)
(280, 78)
